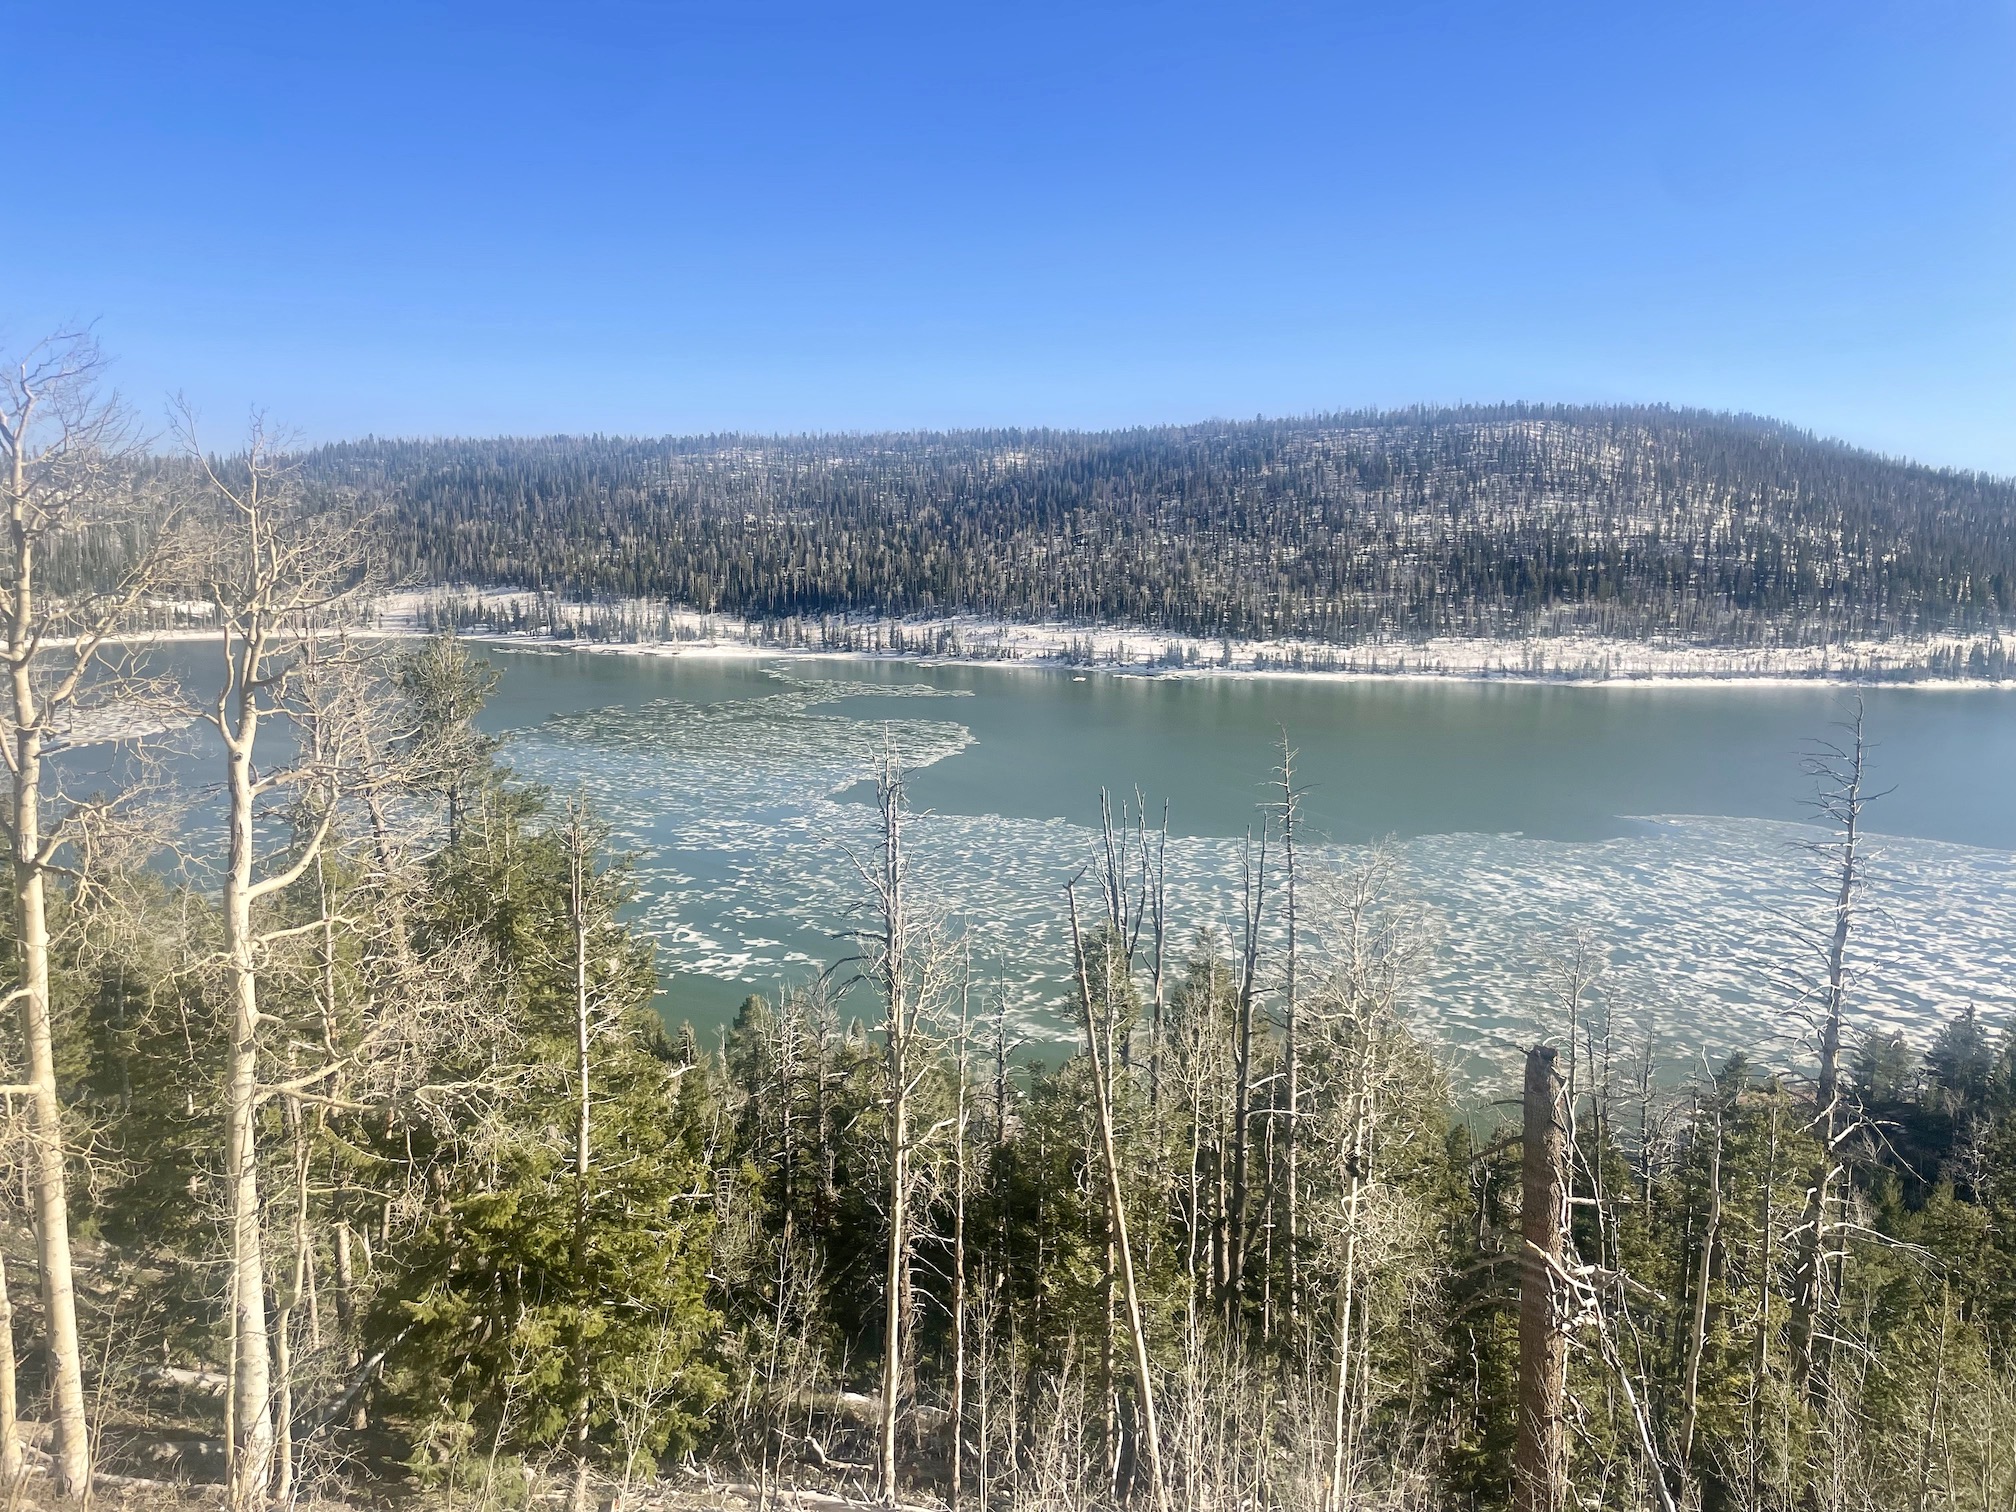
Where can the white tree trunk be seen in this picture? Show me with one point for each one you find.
(251, 1447)
(70, 1463)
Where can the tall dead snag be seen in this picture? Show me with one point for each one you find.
(1155, 868)
(581, 842)
(1290, 811)
(1838, 773)
(276, 569)
(1116, 1208)
(959, 1249)
(1253, 887)
(1539, 1456)
(65, 454)
(1703, 1281)
(900, 969)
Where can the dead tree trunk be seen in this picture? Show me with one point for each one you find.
(580, 878)
(959, 1262)
(1840, 800)
(1704, 1276)
(1238, 1220)
(1116, 1207)
(1539, 1456)
(889, 882)
(1290, 809)
(1158, 923)
(1357, 1159)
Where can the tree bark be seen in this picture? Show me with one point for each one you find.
(1144, 1381)
(1290, 1040)
(1840, 801)
(1539, 1456)
(1704, 1276)
(70, 1454)
(10, 1416)
(1357, 1169)
(894, 972)
(580, 863)
(959, 1271)
(250, 1449)
(1238, 1219)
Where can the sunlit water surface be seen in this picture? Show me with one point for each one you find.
(1665, 822)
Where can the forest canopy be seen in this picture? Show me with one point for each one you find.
(1496, 522)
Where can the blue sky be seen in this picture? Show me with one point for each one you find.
(430, 218)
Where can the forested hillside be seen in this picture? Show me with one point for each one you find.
(348, 1163)
(1477, 522)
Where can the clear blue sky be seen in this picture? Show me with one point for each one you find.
(421, 218)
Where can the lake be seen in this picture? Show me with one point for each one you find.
(1663, 822)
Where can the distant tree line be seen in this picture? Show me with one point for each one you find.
(1492, 522)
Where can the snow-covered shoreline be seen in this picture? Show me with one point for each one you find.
(526, 620)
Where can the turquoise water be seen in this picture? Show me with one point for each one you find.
(1663, 822)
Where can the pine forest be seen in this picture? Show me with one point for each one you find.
(353, 1164)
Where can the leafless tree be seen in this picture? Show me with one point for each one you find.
(1116, 1208)
(1539, 1459)
(68, 455)
(907, 960)
(1838, 771)
(277, 569)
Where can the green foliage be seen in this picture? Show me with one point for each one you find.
(535, 1300)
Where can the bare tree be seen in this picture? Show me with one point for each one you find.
(1838, 772)
(1116, 1208)
(1539, 1458)
(1253, 889)
(907, 963)
(67, 454)
(1704, 1277)
(278, 568)
(581, 840)
(1288, 815)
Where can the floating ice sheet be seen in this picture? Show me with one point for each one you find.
(736, 815)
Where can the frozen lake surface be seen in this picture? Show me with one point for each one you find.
(1663, 821)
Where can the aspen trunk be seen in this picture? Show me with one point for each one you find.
(1539, 1468)
(251, 1444)
(10, 1418)
(70, 1461)
(283, 1318)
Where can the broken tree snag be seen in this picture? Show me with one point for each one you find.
(1539, 1467)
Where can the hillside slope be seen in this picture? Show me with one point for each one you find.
(1499, 522)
